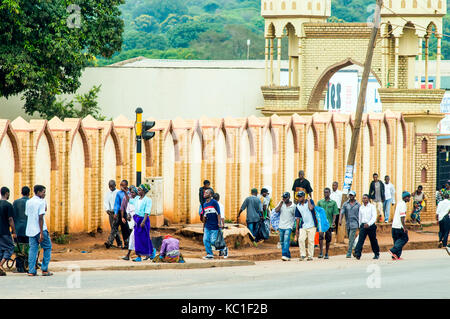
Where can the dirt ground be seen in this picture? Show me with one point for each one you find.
(86, 247)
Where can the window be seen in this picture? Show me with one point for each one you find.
(424, 146)
(423, 175)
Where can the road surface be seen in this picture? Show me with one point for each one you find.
(422, 274)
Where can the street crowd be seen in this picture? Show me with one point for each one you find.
(23, 230)
(306, 221)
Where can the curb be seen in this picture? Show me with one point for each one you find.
(157, 266)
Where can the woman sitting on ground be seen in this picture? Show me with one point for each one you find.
(170, 251)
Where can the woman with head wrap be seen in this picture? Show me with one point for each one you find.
(142, 243)
(131, 209)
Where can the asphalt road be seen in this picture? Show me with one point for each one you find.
(422, 274)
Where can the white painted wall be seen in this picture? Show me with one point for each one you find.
(244, 160)
(267, 150)
(195, 172)
(77, 194)
(383, 151)
(168, 174)
(330, 157)
(289, 162)
(399, 178)
(7, 166)
(43, 172)
(309, 171)
(366, 161)
(109, 173)
(221, 167)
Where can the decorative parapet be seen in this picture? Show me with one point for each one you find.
(411, 100)
(280, 100)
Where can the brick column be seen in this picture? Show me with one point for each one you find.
(232, 203)
(25, 134)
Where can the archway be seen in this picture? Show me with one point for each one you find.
(195, 175)
(329, 155)
(244, 163)
(77, 185)
(43, 172)
(267, 167)
(221, 166)
(169, 176)
(7, 167)
(317, 93)
(310, 156)
(289, 160)
(109, 173)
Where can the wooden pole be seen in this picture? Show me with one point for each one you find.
(361, 102)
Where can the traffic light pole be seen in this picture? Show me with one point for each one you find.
(138, 146)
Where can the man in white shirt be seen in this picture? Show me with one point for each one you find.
(336, 195)
(389, 198)
(306, 225)
(286, 208)
(108, 204)
(37, 232)
(443, 218)
(367, 227)
(399, 230)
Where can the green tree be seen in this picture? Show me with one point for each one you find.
(180, 35)
(45, 45)
(146, 23)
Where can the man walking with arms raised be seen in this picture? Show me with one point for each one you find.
(399, 231)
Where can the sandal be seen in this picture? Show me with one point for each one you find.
(138, 259)
(47, 273)
(32, 275)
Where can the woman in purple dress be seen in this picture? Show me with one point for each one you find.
(143, 205)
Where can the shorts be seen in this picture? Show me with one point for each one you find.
(327, 235)
(6, 247)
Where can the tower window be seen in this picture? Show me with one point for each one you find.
(424, 146)
(423, 175)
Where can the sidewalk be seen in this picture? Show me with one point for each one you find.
(114, 264)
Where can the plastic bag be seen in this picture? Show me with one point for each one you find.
(220, 241)
(275, 219)
(322, 221)
(263, 231)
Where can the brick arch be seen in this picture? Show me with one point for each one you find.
(199, 131)
(315, 135)
(15, 145)
(275, 146)
(291, 127)
(333, 127)
(51, 144)
(388, 130)
(251, 138)
(403, 124)
(227, 138)
(176, 146)
(369, 126)
(316, 93)
(84, 140)
(116, 141)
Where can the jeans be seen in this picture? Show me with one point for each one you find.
(400, 239)
(253, 227)
(351, 240)
(363, 233)
(444, 230)
(209, 238)
(285, 240)
(32, 254)
(387, 209)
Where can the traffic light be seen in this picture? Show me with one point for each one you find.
(147, 125)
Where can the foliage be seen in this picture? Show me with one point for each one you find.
(82, 106)
(44, 46)
(61, 239)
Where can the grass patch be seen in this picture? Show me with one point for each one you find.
(61, 239)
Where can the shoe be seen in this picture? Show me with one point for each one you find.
(376, 257)
(348, 256)
(126, 258)
(309, 259)
(225, 253)
(32, 274)
(137, 259)
(302, 258)
(208, 257)
(326, 256)
(394, 256)
(107, 245)
(285, 258)
(47, 273)
(440, 245)
(320, 255)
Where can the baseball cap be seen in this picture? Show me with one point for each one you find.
(352, 193)
(286, 195)
(301, 194)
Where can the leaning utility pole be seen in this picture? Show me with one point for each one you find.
(359, 111)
